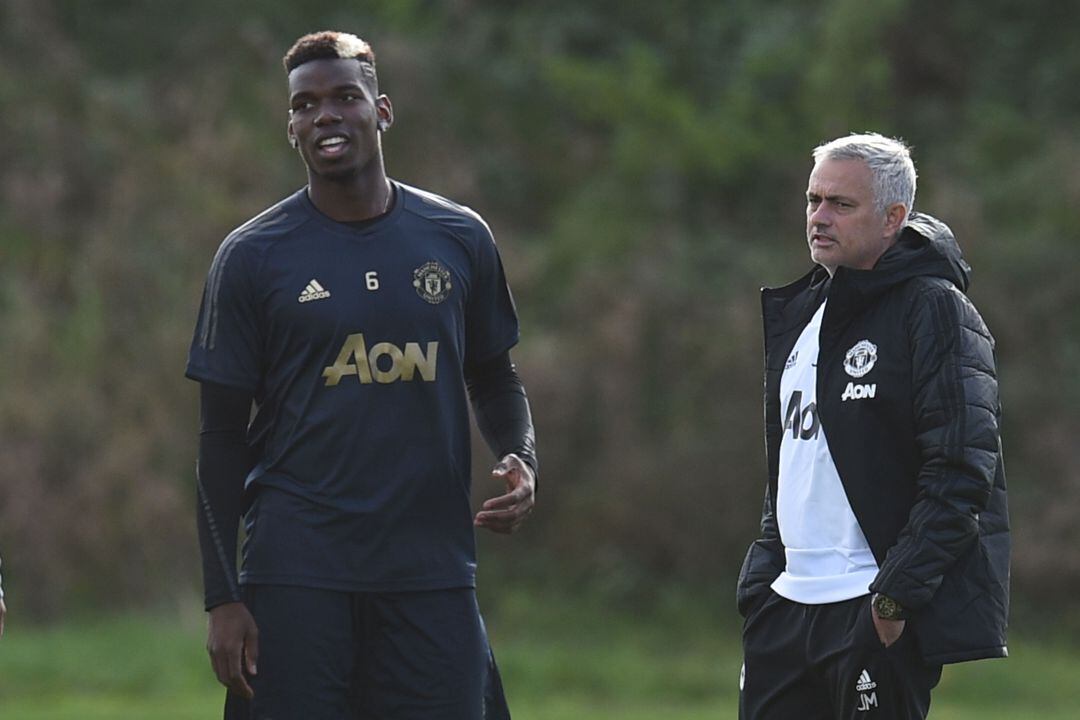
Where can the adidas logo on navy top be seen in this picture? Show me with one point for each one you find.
(864, 682)
(313, 291)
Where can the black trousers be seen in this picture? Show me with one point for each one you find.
(825, 662)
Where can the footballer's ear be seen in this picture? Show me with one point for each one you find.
(385, 110)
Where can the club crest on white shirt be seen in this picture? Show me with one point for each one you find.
(860, 359)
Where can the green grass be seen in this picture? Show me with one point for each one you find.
(561, 660)
(129, 667)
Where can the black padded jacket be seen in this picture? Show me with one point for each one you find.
(907, 396)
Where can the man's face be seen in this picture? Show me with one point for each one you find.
(842, 226)
(333, 115)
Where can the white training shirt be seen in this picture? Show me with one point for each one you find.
(828, 558)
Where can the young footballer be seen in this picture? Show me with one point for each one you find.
(342, 334)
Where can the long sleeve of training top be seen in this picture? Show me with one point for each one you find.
(502, 409)
(224, 462)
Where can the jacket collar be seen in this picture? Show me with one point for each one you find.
(926, 247)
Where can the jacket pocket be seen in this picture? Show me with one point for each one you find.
(761, 566)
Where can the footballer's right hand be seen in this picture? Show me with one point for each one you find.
(233, 643)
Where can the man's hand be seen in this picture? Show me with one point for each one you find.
(888, 631)
(233, 640)
(504, 513)
(3, 612)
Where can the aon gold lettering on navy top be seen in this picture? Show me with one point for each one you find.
(371, 365)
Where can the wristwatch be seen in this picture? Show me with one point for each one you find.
(887, 608)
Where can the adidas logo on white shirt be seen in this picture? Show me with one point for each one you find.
(864, 682)
(313, 291)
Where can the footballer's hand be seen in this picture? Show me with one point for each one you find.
(3, 612)
(233, 643)
(504, 513)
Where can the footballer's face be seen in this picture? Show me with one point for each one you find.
(334, 116)
(843, 227)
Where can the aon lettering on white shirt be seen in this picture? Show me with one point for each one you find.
(827, 556)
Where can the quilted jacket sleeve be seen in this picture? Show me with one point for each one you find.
(956, 411)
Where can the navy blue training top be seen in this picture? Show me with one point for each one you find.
(353, 342)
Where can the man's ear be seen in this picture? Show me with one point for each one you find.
(895, 217)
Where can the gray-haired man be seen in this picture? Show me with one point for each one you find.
(884, 550)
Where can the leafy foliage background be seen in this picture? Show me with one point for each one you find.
(642, 165)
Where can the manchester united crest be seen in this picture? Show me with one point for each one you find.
(860, 359)
(432, 282)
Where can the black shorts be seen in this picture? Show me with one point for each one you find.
(825, 662)
(328, 655)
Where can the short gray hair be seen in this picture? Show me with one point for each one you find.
(889, 160)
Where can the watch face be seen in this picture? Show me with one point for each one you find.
(887, 608)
